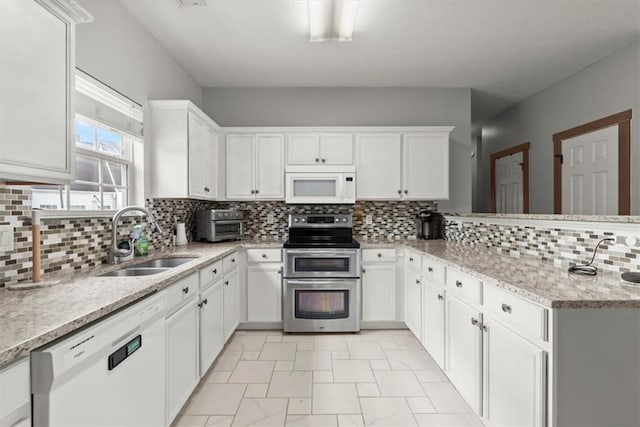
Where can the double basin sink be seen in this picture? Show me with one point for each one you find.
(152, 266)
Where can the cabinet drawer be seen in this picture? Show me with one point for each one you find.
(181, 291)
(516, 312)
(378, 255)
(229, 262)
(414, 262)
(210, 273)
(433, 271)
(466, 287)
(264, 255)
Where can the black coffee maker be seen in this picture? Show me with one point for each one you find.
(430, 225)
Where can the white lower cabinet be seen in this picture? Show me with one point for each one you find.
(264, 292)
(183, 370)
(379, 292)
(15, 394)
(211, 326)
(464, 350)
(433, 321)
(231, 309)
(514, 378)
(413, 303)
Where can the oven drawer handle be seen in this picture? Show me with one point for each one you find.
(320, 282)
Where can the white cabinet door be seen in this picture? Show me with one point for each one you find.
(464, 350)
(269, 166)
(413, 303)
(15, 394)
(211, 164)
(197, 157)
(231, 310)
(378, 163)
(240, 167)
(211, 327)
(515, 372)
(433, 321)
(426, 166)
(36, 82)
(337, 149)
(303, 149)
(183, 371)
(379, 292)
(264, 293)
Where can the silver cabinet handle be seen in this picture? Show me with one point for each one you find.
(200, 304)
(233, 260)
(214, 271)
(185, 290)
(379, 255)
(253, 191)
(410, 259)
(280, 270)
(256, 191)
(474, 321)
(430, 270)
(206, 300)
(440, 297)
(206, 189)
(226, 283)
(363, 271)
(399, 191)
(506, 308)
(458, 283)
(417, 282)
(317, 160)
(406, 191)
(264, 256)
(324, 160)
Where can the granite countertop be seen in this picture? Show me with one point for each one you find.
(34, 317)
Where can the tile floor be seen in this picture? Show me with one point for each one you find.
(377, 378)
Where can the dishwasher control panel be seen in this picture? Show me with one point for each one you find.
(119, 356)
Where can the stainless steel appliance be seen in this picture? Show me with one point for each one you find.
(320, 184)
(430, 225)
(215, 225)
(321, 287)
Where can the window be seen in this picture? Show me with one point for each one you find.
(108, 139)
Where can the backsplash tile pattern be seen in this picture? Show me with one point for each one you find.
(561, 246)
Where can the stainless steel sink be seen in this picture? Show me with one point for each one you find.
(164, 262)
(135, 271)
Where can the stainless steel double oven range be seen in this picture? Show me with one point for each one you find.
(321, 287)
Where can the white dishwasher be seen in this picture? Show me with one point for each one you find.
(109, 374)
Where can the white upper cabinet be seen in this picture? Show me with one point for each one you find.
(426, 166)
(320, 149)
(37, 67)
(255, 166)
(379, 166)
(184, 151)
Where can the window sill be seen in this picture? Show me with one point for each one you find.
(60, 214)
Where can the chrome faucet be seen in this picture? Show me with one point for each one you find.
(114, 253)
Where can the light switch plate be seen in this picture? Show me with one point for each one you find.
(270, 218)
(6, 238)
(368, 219)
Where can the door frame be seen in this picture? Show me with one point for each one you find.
(623, 120)
(524, 148)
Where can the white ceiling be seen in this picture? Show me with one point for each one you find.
(505, 50)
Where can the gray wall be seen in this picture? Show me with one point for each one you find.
(607, 87)
(356, 107)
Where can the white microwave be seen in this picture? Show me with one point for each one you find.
(320, 184)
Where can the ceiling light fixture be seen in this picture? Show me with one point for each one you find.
(332, 20)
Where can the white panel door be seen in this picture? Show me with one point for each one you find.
(464, 350)
(379, 292)
(264, 293)
(211, 326)
(413, 303)
(509, 192)
(211, 164)
(197, 157)
(426, 166)
(378, 166)
(514, 386)
(433, 321)
(240, 166)
(337, 149)
(270, 166)
(303, 149)
(590, 173)
(231, 293)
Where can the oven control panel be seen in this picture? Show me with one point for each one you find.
(320, 220)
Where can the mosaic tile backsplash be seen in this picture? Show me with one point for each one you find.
(561, 246)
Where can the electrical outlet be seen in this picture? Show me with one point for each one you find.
(368, 219)
(629, 241)
(6, 238)
(270, 218)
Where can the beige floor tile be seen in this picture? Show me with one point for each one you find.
(335, 399)
(368, 390)
(365, 350)
(227, 360)
(352, 371)
(312, 420)
(351, 420)
(409, 359)
(407, 342)
(274, 338)
(434, 375)
(284, 365)
(299, 406)
(252, 372)
(381, 411)
(398, 384)
(380, 365)
(379, 338)
(445, 398)
(313, 361)
(278, 351)
(442, 420)
(298, 338)
(322, 376)
(305, 345)
(190, 421)
(250, 355)
(256, 391)
(340, 355)
(261, 412)
(330, 342)
(218, 376)
(290, 384)
(251, 342)
(389, 346)
(352, 338)
(220, 421)
(216, 399)
(420, 405)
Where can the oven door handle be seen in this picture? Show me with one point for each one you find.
(319, 282)
(323, 252)
(228, 221)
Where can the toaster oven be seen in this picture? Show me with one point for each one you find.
(215, 225)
